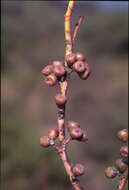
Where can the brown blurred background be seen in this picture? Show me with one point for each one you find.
(32, 37)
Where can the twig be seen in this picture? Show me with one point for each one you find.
(68, 168)
(67, 27)
(61, 111)
(63, 85)
(77, 27)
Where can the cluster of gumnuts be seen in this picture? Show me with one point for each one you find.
(121, 164)
(58, 72)
(76, 133)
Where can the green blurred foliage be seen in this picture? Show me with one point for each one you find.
(32, 37)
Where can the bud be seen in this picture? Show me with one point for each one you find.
(124, 151)
(44, 141)
(60, 99)
(123, 135)
(53, 133)
(78, 170)
(121, 166)
(111, 172)
(86, 73)
(76, 133)
(58, 63)
(79, 66)
(80, 56)
(50, 80)
(47, 70)
(59, 70)
(70, 59)
(72, 124)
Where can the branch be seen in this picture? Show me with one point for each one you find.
(61, 111)
(77, 27)
(67, 27)
(68, 168)
(58, 73)
(63, 85)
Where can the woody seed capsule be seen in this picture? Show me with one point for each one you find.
(78, 170)
(121, 166)
(80, 56)
(47, 70)
(111, 172)
(125, 160)
(60, 99)
(84, 75)
(124, 151)
(70, 59)
(58, 63)
(73, 124)
(123, 135)
(76, 133)
(79, 66)
(53, 133)
(83, 138)
(44, 141)
(50, 80)
(59, 70)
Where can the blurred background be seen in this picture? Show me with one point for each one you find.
(32, 37)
